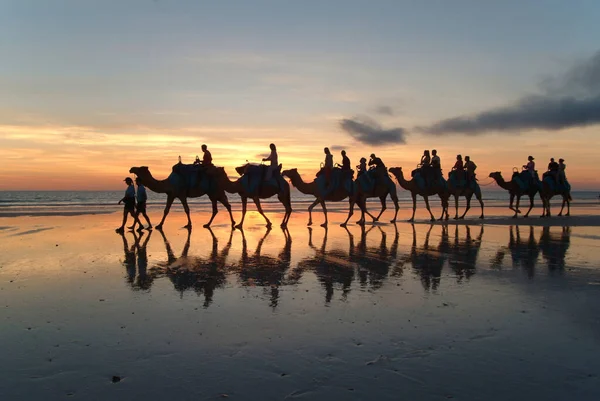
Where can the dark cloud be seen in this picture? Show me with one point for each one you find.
(536, 112)
(572, 100)
(370, 132)
(384, 110)
(337, 148)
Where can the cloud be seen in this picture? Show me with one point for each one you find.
(369, 132)
(384, 110)
(572, 100)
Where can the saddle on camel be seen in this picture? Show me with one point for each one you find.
(254, 176)
(330, 180)
(191, 176)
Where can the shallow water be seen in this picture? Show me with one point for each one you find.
(386, 312)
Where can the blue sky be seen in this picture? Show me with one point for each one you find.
(254, 68)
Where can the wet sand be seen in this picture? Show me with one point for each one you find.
(433, 312)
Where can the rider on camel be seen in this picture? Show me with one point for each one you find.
(425, 165)
(274, 166)
(553, 170)
(459, 168)
(436, 165)
(470, 167)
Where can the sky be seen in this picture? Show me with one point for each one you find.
(89, 89)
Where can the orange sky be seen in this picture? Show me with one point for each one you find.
(85, 158)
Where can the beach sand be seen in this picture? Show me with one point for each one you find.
(507, 309)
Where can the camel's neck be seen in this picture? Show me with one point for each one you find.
(403, 183)
(501, 183)
(304, 187)
(228, 185)
(153, 184)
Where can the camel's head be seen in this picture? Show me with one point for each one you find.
(289, 173)
(139, 170)
(495, 174)
(241, 169)
(396, 170)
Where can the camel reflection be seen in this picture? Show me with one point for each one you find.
(266, 271)
(374, 263)
(554, 247)
(427, 261)
(461, 254)
(137, 276)
(202, 275)
(524, 252)
(337, 268)
(464, 253)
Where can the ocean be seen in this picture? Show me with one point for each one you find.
(40, 203)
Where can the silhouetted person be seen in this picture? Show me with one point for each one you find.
(362, 167)
(207, 157)
(553, 170)
(425, 166)
(530, 166)
(140, 207)
(458, 169)
(274, 159)
(328, 164)
(142, 281)
(380, 169)
(129, 205)
(562, 167)
(345, 162)
(436, 165)
(470, 168)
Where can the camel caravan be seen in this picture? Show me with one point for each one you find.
(336, 183)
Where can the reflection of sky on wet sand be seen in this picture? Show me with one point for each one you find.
(423, 312)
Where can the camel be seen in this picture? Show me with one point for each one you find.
(264, 192)
(311, 188)
(547, 193)
(166, 187)
(515, 191)
(380, 191)
(414, 189)
(468, 194)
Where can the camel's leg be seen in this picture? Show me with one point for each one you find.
(456, 206)
(225, 202)
(548, 212)
(215, 210)
(414, 199)
(396, 206)
(325, 213)
(244, 208)
(510, 205)
(563, 205)
(170, 200)
(259, 208)
(480, 199)
(468, 206)
(383, 206)
(310, 208)
(426, 199)
(285, 201)
(362, 205)
(516, 209)
(568, 206)
(350, 213)
(186, 208)
(530, 205)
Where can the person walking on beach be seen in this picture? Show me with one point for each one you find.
(140, 208)
(129, 201)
